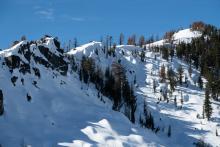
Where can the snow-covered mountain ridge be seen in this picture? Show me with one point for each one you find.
(52, 107)
(185, 35)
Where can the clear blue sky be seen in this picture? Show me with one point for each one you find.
(89, 19)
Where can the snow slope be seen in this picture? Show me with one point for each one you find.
(184, 122)
(65, 112)
(62, 110)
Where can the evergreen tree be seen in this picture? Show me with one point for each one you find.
(119, 76)
(75, 43)
(132, 40)
(172, 53)
(148, 118)
(154, 86)
(180, 74)
(121, 39)
(142, 55)
(165, 53)
(163, 73)
(141, 122)
(207, 104)
(181, 99)
(23, 38)
(110, 41)
(175, 102)
(1, 103)
(171, 77)
(169, 131)
(141, 41)
(190, 70)
(200, 82)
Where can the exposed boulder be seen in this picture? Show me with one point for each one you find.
(28, 97)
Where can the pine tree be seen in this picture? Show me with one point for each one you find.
(200, 82)
(119, 76)
(1, 103)
(203, 112)
(135, 79)
(172, 53)
(121, 39)
(141, 41)
(75, 42)
(171, 77)
(175, 102)
(141, 121)
(190, 70)
(169, 131)
(165, 53)
(216, 132)
(181, 99)
(23, 38)
(142, 55)
(132, 104)
(162, 73)
(207, 104)
(154, 86)
(110, 41)
(180, 74)
(133, 39)
(148, 121)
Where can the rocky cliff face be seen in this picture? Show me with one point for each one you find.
(25, 55)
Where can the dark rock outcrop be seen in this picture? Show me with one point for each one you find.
(13, 80)
(36, 72)
(57, 62)
(13, 61)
